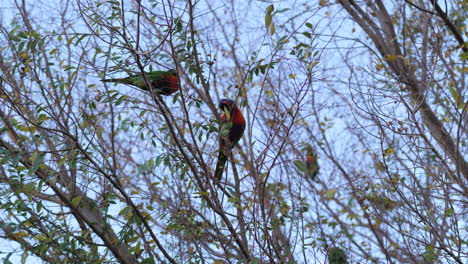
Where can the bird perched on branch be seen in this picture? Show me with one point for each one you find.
(311, 162)
(163, 82)
(232, 128)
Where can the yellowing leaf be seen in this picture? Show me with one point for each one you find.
(379, 67)
(447, 53)
(272, 29)
(20, 234)
(128, 215)
(312, 64)
(377, 222)
(292, 76)
(330, 194)
(323, 2)
(146, 215)
(23, 55)
(390, 57)
(388, 152)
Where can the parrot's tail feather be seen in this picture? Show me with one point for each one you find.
(114, 80)
(222, 158)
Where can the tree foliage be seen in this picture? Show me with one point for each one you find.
(354, 148)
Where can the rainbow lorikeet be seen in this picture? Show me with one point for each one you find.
(311, 162)
(163, 82)
(232, 128)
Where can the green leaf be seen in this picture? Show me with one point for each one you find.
(149, 260)
(120, 100)
(125, 210)
(174, 99)
(307, 34)
(42, 238)
(22, 34)
(80, 38)
(464, 56)
(268, 19)
(21, 46)
(430, 255)
(70, 40)
(270, 9)
(75, 201)
(62, 161)
(448, 212)
(39, 206)
(36, 159)
(283, 10)
(454, 94)
(73, 75)
(29, 188)
(202, 193)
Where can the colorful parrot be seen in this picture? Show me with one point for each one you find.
(311, 162)
(233, 123)
(164, 82)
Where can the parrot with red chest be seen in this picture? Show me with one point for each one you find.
(311, 162)
(163, 82)
(233, 123)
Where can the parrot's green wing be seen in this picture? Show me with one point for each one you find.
(165, 81)
(311, 162)
(154, 77)
(139, 81)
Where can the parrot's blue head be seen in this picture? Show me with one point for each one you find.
(226, 104)
(173, 72)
